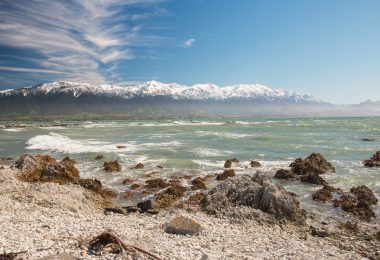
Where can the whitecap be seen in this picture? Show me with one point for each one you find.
(13, 129)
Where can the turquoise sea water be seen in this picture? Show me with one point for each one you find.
(200, 147)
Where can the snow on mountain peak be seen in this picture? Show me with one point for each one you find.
(173, 90)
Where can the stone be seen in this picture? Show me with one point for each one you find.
(156, 184)
(116, 210)
(112, 166)
(145, 205)
(31, 166)
(152, 211)
(325, 194)
(286, 175)
(347, 202)
(198, 184)
(374, 161)
(128, 181)
(135, 186)
(99, 157)
(257, 192)
(226, 174)
(363, 193)
(91, 184)
(368, 139)
(313, 178)
(255, 164)
(195, 199)
(228, 163)
(314, 163)
(170, 196)
(319, 232)
(132, 209)
(62, 172)
(183, 226)
(2, 168)
(139, 166)
(159, 166)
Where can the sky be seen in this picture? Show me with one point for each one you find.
(329, 48)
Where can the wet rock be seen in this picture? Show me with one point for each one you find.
(156, 184)
(99, 157)
(121, 146)
(31, 166)
(112, 166)
(347, 202)
(286, 175)
(91, 184)
(128, 181)
(139, 166)
(116, 210)
(135, 186)
(374, 161)
(313, 178)
(183, 226)
(325, 194)
(228, 163)
(255, 164)
(170, 196)
(226, 174)
(62, 172)
(257, 192)
(132, 209)
(363, 193)
(314, 163)
(108, 193)
(68, 160)
(195, 199)
(159, 166)
(145, 205)
(368, 139)
(198, 184)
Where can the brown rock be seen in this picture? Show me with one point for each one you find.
(313, 178)
(99, 157)
(325, 194)
(195, 199)
(152, 211)
(145, 205)
(91, 184)
(135, 186)
(159, 166)
(229, 162)
(346, 202)
(286, 175)
(112, 166)
(139, 166)
(374, 161)
(116, 210)
(128, 181)
(226, 174)
(183, 226)
(2, 167)
(62, 172)
(31, 166)
(314, 163)
(156, 184)
(363, 193)
(170, 196)
(198, 184)
(255, 164)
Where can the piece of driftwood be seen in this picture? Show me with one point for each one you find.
(111, 242)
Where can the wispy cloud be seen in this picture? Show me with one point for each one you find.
(76, 39)
(189, 42)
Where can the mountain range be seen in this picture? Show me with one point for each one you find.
(154, 98)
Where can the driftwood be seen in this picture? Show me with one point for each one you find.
(114, 244)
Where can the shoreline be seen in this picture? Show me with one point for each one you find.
(46, 218)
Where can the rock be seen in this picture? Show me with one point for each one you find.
(228, 163)
(368, 139)
(112, 166)
(198, 184)
(363, 193)
(347, 202)
(257, 192)
(374, 161)
(145, 205)
(139, 166)
(156, 184)
(319, 233)
(31, 166)
(2, 168)
(62, 172)
(255, 164)
(121, 146)
(132, 209)
(183, 226)
(128, 181)
(170, 196)
(286, 175)
(325, 194)
(314, 163)
(159, 166)
(152, 211)
(91, 184)
(350, 226)
(68, 160)
(313, 178)
(377, 235)
(116, 210)
(195, 199)
(135, 186)
(226, 174)
(363, 211)
(99, 157)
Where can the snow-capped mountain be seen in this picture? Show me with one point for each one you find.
(174, 91)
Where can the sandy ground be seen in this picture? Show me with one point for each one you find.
(45, 219)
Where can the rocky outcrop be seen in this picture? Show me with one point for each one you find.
(156, 184)
(99, 157)
(139, 166)
(46, 169)
(181, 225)
(255, 164)
(230, 162)
(96, 186)
(374, 161)
(326, 193)
(363, 193)
(170, 196)
(198, 184)
(226, 174)
(257, 192)
(112, 166)
(307, 170)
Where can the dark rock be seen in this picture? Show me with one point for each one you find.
(68, 160)
(152, 211)
(325, 194)
(363, 193)
(2, 168)
(319, 233)
(132, 209)
(255, 164)
(128, 181)
(374, 161)
(368, 139)
(121, 146)
(377, 235)
(258, 192)
(183, 226)
(170, 196)
(145, 205)
(135, 186)
(347, 202)
(313, 178)
(139, 166)
(286, 175)
(350, 226)
(195, 199)
(198, 184)
(156, 184)
(99, 157)
(314, 163)
(116, 210)
(112, 166)
(226, 174)
(159, 166)
(91, 184)
(228, 163)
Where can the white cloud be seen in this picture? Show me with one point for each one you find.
(189, 42)
(78, 39)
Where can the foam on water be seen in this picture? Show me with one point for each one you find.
(13, 129)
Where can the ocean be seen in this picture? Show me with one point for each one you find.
(200, 147)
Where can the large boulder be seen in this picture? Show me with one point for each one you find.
(326, 193)
(313, 178)
(226, 174)
(112, 166)
(181, 225)
(228, 163)
(257, 192)
(314, 164)
(31, 166)
(365, 194)
(198, 184)
(374, 161)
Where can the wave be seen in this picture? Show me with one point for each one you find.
(13, 129)
(223, 134)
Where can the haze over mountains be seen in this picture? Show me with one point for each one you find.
(161, 99)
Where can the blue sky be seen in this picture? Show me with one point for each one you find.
(330, 48)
